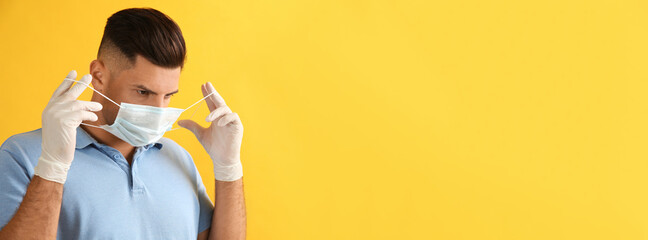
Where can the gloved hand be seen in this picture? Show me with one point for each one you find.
(222, 139)
(60, 120)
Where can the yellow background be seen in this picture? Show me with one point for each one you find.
(394, 119)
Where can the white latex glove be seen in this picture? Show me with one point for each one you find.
(60, 120)
(222, 139)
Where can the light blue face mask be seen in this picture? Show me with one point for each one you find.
(140, 125)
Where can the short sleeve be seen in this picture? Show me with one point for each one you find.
(14, 179)
(206, 206)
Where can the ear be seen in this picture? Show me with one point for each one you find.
(99, 74)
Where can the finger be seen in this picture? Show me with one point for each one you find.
(76, 90)
(86, 106)
(228, 118)
(210, 103)
(85, 116)
(218, 113)
(65, 85)
(192, 126)
(216, 98)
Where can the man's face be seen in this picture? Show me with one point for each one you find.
(144, 84)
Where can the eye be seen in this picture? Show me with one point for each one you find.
(142, 92)
(169, 96)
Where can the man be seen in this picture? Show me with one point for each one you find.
(101, 169)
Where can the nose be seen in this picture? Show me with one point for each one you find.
(158, 101)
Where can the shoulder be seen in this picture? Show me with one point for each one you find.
(23, 142)
(180, 156)
(23, 148)
(173, 149)
(170, 146)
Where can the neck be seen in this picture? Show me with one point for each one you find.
(104, 137)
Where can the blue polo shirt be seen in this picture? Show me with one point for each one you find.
(161, 196)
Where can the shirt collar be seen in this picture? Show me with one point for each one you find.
(83, 139)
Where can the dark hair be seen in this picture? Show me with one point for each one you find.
(147, 32)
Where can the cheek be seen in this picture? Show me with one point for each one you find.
(109, 113)
(110, 110)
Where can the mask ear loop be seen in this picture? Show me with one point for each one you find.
(67, 79)
(195, 110)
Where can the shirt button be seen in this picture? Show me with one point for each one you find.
(116, 156)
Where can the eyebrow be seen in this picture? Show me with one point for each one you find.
(154, 93)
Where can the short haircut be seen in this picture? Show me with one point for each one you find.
(146, 32)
